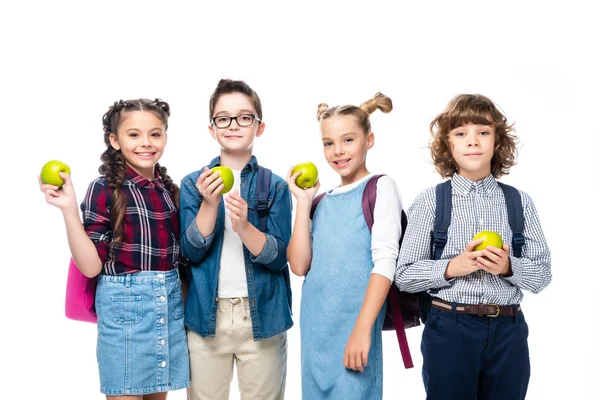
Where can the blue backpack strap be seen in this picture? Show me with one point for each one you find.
(514, 208)
(263, 187)
(443, 211)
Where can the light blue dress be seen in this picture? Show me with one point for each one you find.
(332, 296)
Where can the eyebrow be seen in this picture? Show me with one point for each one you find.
(240, 112)
(342, 136)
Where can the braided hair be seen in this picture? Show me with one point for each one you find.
(113, 166)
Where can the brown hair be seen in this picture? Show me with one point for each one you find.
(113, 163)
(226, 86)
(475, 109)
(362, 112)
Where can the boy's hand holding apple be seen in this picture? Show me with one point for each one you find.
(495, 258)
(210, 185)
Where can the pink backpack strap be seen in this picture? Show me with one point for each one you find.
(315, 203)
(368, 205)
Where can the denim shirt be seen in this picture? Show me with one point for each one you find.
(267, 275)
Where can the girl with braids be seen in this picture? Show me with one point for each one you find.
(129, 238)
(348, 271)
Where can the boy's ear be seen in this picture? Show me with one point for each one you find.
(113, 142)
(261, 129)
(211, 130)
(370, 140)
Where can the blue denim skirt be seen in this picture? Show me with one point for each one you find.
(142, 345)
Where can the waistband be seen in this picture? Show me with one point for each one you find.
(488, 310)
(142, 277)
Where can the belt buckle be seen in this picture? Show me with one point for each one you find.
(497, 311)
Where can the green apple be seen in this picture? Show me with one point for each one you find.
(227, 177)
(50, 173)
(490, 238)
(309, 175)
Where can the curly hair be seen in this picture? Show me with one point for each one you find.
(113, 163)
(362, 112)
(475, 109)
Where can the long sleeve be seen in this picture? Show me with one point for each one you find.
(387, 228)
(279, 231)
(531, 272)
(415, 270)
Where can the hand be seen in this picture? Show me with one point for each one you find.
(64, 198)
(300, 194)
(238, 211)
(466, 262)
(210, 184)
(495, 260)
(356, 354)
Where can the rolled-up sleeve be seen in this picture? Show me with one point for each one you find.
(193, 245)
(279, 231)
(95, 212)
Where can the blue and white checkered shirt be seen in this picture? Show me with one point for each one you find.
(476, 206)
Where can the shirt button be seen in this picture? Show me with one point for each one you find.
(161, 299)
(161, 226)
(163, 364)
(161, 321)
(162, 342)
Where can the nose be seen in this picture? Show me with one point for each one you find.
(237, 126)
(473, 140)
(145, 140)
(338, 150)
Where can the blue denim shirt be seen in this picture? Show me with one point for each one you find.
(267, 275)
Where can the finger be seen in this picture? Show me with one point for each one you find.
(351, 361)
(289, 174)
(485, 262)
(494, 250)
(214, 185)
(233, 210)
(66, 178)
(365, 358)
(51, 193)
(346, 359)
(506, 248)
(358, 362)
(473, 243)
(211, 178)
(491, 256)
(474, 254)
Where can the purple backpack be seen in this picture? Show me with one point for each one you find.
(402, 308)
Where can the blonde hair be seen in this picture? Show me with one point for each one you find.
(475, 109)
(362, 112)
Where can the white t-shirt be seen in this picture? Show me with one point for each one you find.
(387, 226)
(232, 274)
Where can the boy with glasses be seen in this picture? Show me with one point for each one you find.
(238, 307)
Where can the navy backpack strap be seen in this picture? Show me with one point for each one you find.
(263, 187)
(514, 208)
(443, 211)
(315, 203)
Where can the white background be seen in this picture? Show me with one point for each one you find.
(64, 63)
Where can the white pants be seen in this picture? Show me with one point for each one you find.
(261, 365)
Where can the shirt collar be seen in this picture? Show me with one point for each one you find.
(465, 186)
(252, 164)
(142, 182)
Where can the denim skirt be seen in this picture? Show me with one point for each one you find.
(142, 345)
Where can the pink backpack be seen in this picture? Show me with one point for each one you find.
(80, 296)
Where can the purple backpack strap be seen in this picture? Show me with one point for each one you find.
(368, 205)
(315, 203)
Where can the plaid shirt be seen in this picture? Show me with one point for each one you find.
(151, 241)
(476, 206)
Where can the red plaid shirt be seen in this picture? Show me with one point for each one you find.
(151, 241)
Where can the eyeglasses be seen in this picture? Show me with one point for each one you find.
(241, 120)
